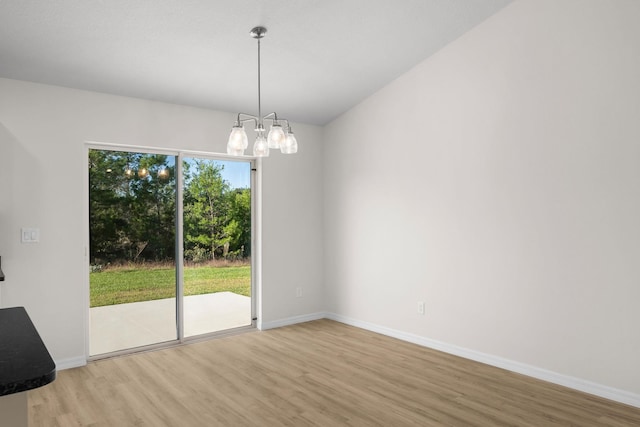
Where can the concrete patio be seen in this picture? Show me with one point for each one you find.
(124, 326)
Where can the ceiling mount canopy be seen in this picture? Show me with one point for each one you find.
(277, 138)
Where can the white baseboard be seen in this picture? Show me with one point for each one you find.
(263, 326)
(73, 362)
(606, 392)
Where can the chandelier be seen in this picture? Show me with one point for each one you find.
(279, 137)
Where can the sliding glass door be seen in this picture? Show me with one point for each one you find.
(217, 244)
(132, 221)
(143, 207)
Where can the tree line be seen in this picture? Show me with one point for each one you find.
(132, 209)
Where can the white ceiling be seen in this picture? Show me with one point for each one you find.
(319, 57)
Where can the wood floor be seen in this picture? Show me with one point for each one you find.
(318, 373)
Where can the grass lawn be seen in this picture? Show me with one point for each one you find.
(121, 286)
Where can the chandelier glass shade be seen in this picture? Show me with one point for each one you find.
(279, 137)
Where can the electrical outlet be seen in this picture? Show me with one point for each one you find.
(298, 292)
(420, 307)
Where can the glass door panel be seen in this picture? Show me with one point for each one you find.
(217, 245)
(132, 222)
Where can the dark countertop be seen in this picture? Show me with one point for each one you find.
(25, 362)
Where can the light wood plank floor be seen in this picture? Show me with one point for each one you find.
(318, 373)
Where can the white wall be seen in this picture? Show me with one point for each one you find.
(498, 181)
(42, 165)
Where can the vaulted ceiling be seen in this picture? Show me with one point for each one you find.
(319, 57)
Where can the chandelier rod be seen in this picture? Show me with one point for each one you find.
(259, 98)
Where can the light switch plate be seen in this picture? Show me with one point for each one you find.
(29, 235)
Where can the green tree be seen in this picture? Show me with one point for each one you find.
(131, 206)
(239, 227)
(153, 208)
(206, 210)
(105, 209)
